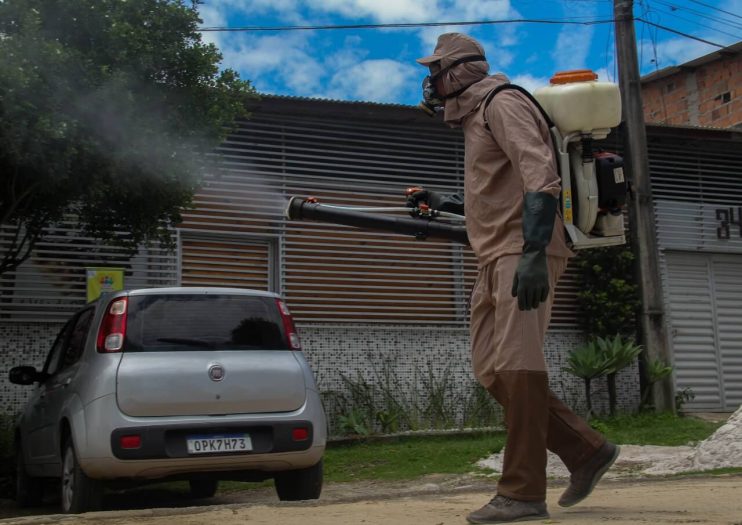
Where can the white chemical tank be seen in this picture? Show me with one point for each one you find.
(577, 102)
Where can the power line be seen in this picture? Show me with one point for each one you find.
(571, 21)
(675, 7)
(671, 30)
(716, 8)
(714, 29)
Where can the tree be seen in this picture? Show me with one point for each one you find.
(107, 108)
(608, 299)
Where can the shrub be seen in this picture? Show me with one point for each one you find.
(587, 362)
(619, 354)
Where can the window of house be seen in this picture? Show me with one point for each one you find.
(725, 97)
(232, 261)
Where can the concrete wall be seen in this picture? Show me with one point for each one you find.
(412, 354)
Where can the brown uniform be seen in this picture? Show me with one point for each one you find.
(512, 157)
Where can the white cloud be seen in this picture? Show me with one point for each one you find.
(274, 60)
(373, 80)
(574, 41)
(212, 16)
(530, 82)
(385, 11)
(480, 10)
(572, 47)
(672, 52)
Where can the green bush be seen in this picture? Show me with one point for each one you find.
(602, 357)
(619, 354)
(587, 362)
(608, 300)
(377, 402)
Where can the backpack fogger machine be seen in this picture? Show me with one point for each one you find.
(580, 111)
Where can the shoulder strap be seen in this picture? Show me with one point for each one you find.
(516, 87)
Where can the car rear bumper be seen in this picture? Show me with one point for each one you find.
(151, 469)
(169, 441)
(163, 451)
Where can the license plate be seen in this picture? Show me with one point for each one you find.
(212, 444)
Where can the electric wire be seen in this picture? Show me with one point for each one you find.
(571, 21)
(698, 24)
(675, 31)
(716, 8)
(675, 7)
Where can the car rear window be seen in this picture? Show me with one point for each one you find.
(167, 323)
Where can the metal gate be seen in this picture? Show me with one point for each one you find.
(705, 302)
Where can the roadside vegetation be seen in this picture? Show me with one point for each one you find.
(408, 457)
(414, 456)
(411, 457)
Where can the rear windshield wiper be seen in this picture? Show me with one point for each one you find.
(186, 341)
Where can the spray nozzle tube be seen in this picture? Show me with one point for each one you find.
(422, 228)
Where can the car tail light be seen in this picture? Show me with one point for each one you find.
(288, 326)
(130, 442)
(113, 327)
(300, 434)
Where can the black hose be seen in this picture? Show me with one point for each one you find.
(422, 228)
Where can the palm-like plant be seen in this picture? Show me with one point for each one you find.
(618, 354)
(587, 362)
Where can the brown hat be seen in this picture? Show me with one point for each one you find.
(450, 47)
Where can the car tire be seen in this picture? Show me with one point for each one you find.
(295, 485)
(79, 492)
(203, 488)
(29, 491)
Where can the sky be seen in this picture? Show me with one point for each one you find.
(378, 65)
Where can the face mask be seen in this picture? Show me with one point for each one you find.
(432, 101)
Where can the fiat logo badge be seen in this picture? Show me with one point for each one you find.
(216, 372)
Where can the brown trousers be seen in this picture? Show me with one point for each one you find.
(508, 360)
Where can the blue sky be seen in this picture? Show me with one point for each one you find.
(379, 64)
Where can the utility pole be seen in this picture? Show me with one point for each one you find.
(641, 211)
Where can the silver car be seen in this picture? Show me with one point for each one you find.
(203, 384)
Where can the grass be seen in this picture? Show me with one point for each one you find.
(411, 457)
(655, 429)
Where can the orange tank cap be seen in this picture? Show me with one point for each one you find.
(574, 75)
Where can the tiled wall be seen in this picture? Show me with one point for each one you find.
(415, 354)
(22, 344)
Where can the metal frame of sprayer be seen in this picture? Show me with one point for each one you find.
(577, 171)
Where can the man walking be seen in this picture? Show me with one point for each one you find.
(511, 191)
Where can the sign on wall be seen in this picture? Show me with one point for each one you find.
(103, 280)
(730, 222)
(699, 227)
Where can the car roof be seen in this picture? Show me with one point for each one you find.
(198, 290)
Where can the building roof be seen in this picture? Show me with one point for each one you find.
(319, 107)
(735, 49)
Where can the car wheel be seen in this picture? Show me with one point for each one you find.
(294, 485)
(203, 488)
(79, 492)
(29, 491)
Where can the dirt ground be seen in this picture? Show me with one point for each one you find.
(436, 500)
